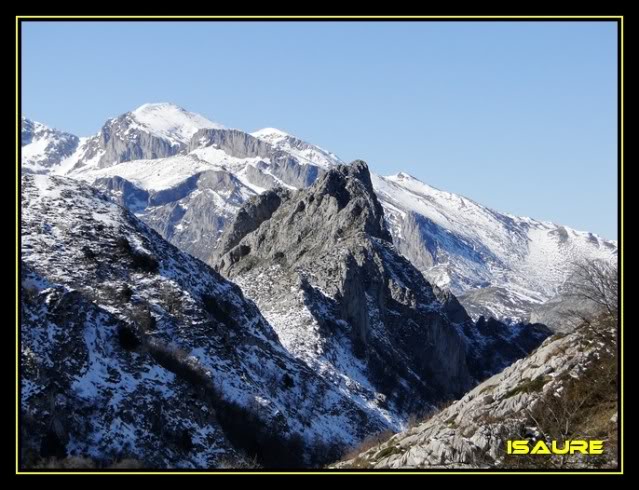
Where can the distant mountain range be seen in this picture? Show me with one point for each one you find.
(187, 177)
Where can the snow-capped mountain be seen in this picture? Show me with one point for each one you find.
(302, 150)
(500, 265)
(43, 148)
(151, 131)
(169, 122)
(189, 189)
(133, 349)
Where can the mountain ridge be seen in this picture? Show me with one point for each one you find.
(498, 264)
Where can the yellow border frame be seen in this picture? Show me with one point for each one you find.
(321, 17)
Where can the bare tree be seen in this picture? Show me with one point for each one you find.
(585, 406)
(596, 281)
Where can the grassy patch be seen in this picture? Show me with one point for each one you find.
(486, 389)
(388, 451)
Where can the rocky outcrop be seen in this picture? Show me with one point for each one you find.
(340, 206)
(565, 390)
(250, 217)
(120, 142)
(321, 266)
(325, 254)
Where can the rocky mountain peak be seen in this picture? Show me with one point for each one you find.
(320, 265)
(341, 208)
(352, 190)
(171, 121)
(44, 148)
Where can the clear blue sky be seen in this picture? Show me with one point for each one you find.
(519, 116)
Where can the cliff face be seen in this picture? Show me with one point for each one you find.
(321, 266)
(119, 144)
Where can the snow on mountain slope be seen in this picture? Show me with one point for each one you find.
(500, 265)
(169, 122)
(302, 150)
(504, 263)
(151, 131)
(164, 173)
(134, 349)
(189, 198)
(43, 148)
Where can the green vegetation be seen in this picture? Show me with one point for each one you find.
(388, 451)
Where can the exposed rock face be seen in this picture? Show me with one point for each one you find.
(340, 205)
(233, 142)
(190, 214)
(498, 265)
(275, 166)
(124, 193)
(44, 148)
(290, 171)
(531, 399)
(122, 145)
(134, 349)
(251, 215)
(321, 266)
(491, 345)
